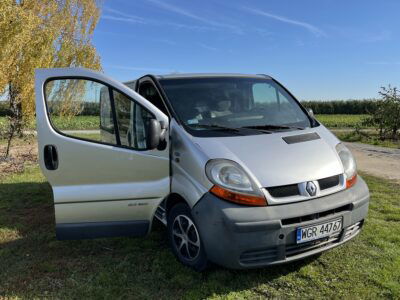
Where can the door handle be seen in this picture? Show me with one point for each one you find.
(50, 157)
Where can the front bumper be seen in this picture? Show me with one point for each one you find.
(242, 237)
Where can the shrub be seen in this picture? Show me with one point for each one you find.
(348, 107)
(4, 108)
(386, 116)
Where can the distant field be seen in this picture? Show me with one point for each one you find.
(92, 122)
(76, 123)
(341, 121)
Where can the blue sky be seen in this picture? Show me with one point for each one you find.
(319, 49)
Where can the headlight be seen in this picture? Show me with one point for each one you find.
(232, 183)
(349, 164)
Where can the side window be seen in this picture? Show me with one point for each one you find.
(132, 120)
(148, 91)
(80, 108)
(264, 95)
(83, 109)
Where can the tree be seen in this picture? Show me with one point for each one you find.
(386, 115)
(42, 34)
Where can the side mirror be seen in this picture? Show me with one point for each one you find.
(310, 112)
(156, 134)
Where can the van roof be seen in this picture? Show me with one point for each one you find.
(131, 83)
(199, 75)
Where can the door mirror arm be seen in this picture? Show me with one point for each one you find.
(164, 128)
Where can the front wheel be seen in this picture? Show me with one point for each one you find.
(185, 239)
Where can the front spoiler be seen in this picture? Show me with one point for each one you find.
(240, 237)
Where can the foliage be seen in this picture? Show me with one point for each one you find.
(14, 120)
(65, 97)
(342, 121)
(4, 108)
(43, 34)
(348, 107)
(35, 265)
(386, 117)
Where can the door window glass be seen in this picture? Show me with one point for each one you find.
(133, 122)
(81, 108)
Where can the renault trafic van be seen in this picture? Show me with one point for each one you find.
(239, 172)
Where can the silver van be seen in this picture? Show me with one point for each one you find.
(239, 172)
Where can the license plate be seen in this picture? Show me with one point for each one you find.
(318, 231)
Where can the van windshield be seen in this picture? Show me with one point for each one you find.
(233, 104)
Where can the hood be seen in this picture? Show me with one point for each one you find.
(274, 161)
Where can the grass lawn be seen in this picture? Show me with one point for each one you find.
(372, 139)
(34, 264)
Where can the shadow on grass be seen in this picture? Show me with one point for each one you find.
(103, 268)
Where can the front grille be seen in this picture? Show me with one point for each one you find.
(329, 182)
(316, 216)
(267, 255)
(298, 191)
(301, 248)
(259, 256)
(284, 191)
(349, 232)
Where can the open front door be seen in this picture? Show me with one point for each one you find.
(94, 149)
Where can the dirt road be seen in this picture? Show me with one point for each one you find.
(378, 161)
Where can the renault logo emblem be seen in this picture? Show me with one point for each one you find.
(311, 188)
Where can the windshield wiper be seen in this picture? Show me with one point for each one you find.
(271, 126)
(216, 127)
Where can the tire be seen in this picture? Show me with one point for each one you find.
(184, 238)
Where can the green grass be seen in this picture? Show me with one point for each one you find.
(75, 123)
(341, 121)
(370, 138)
(34, 264)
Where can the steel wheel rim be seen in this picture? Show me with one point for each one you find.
(186, 237)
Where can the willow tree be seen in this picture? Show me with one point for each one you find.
(42, 34)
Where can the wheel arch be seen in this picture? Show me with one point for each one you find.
(172, 200)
